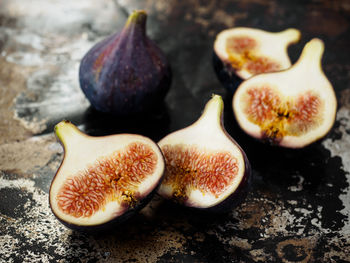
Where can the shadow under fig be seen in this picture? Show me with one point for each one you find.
(153, 124)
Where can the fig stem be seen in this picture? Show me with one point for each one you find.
(67, 131)
(311, 55)
(290, 35)
(212, 112)
(137, 17)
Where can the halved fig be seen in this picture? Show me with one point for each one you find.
(103, 180)
(205, 167)
(291, 108)
(241, 52)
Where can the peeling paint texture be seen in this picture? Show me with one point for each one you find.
(298, 209)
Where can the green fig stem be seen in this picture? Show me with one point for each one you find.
(67, 132)
(137, 17)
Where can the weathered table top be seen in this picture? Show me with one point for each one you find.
(299, 207)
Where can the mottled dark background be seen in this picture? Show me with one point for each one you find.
(299, 207)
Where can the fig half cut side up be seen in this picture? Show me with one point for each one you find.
(102, 181)
(205, 168)
(241, 52)
(291, 108)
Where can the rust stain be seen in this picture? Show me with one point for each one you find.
(296, 250)
(147, 247)
(24, 156)
(12, 82)
(260, 255)
(255, 213)
(344, 254)
(7, 218)
(241, 243)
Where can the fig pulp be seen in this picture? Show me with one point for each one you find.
(125, 74)
(240, 53)
(291, 108)
(103, 180)
(205, 167)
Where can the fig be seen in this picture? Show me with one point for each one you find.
(102, 181)
(205, 167)
(290, 108)
(126, 73)
(241, 52)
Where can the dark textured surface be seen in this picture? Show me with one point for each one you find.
(299, 207)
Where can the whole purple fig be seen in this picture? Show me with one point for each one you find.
(126, 73)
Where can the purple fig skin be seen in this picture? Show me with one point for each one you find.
(126, 73)
(226, 74)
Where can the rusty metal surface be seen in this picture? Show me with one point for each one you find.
(299, 207)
